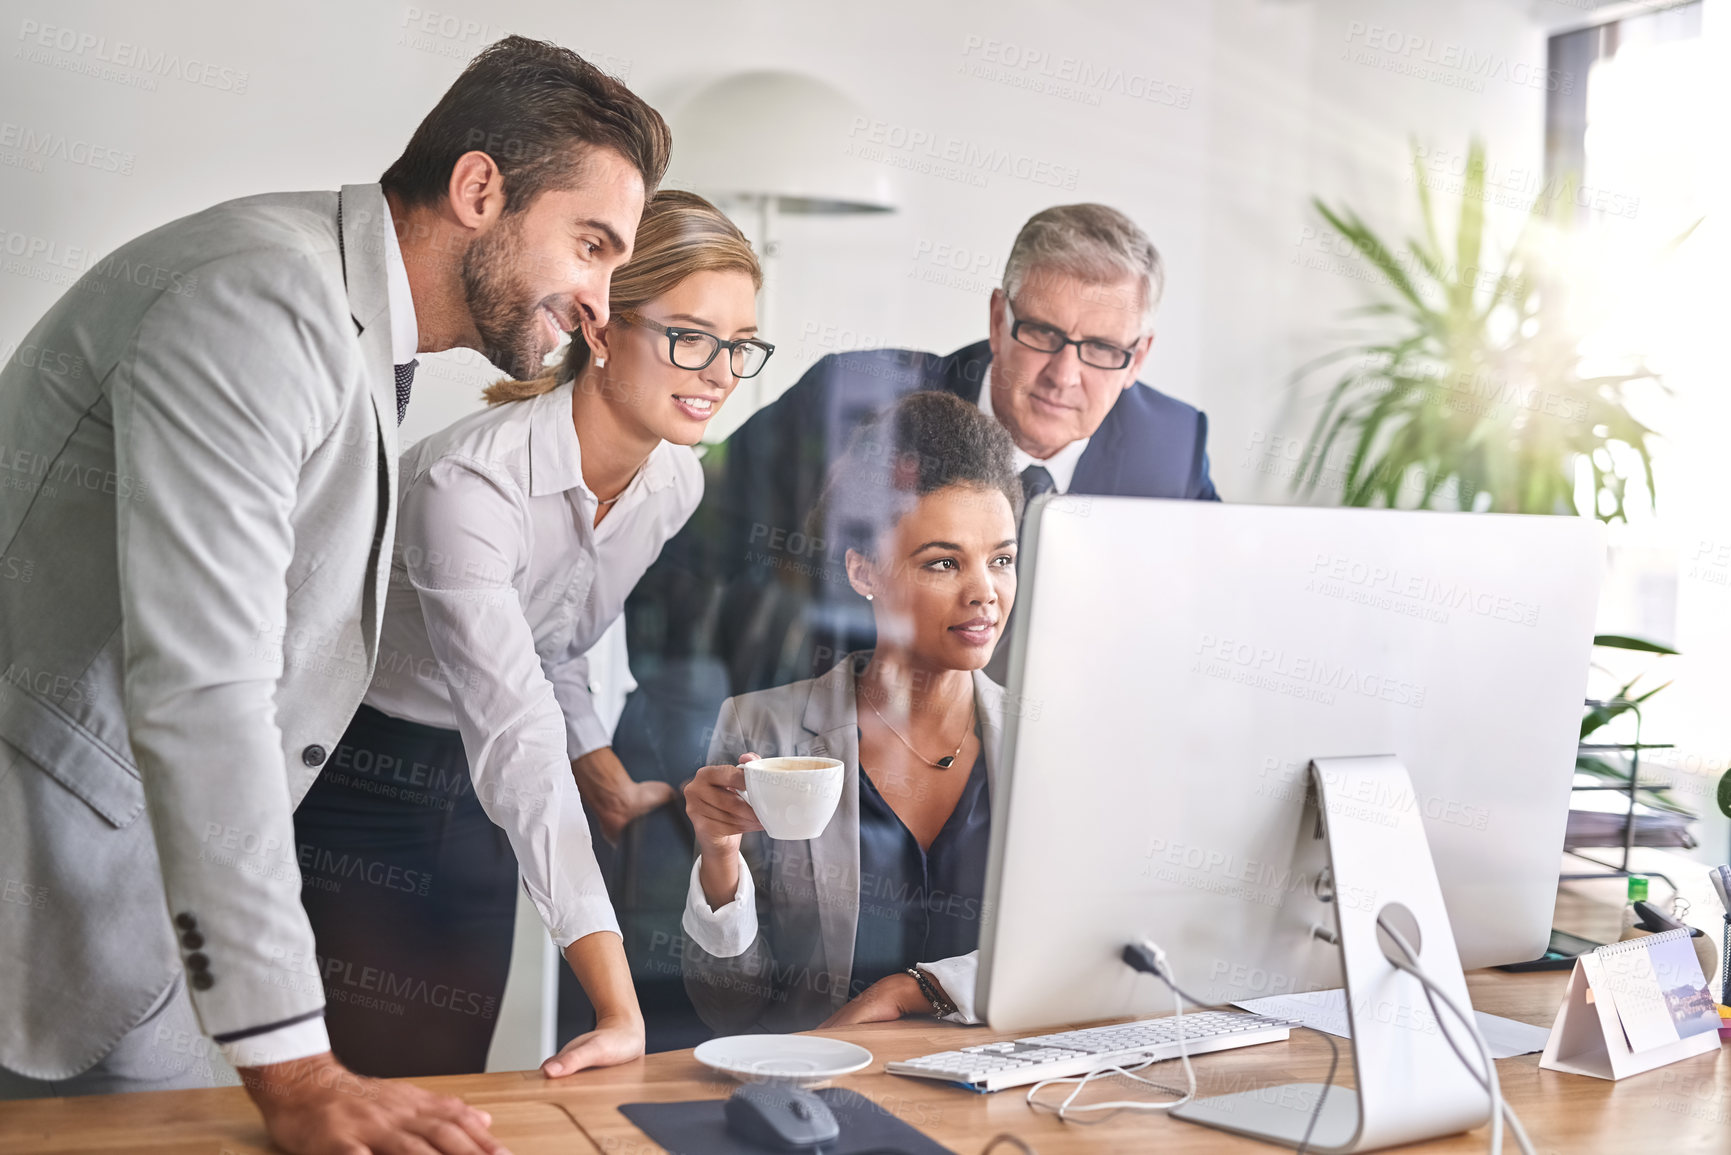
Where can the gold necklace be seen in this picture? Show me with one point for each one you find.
(943, 763)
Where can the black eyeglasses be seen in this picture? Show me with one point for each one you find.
(694, 349)
(1049, 339)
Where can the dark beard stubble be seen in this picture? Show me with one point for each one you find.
(502, 305)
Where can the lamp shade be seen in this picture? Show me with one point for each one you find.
(782, 136)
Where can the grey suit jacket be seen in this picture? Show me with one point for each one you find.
(799, 969)
(198, 454)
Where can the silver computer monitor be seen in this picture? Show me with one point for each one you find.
(1174, 667)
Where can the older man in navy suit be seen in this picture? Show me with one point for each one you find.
(750, 595)
(1070, 329)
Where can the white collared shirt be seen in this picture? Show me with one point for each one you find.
(1061, 465)
(500, 584)
(405, 330)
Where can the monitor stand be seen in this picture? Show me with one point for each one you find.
(1411, 1085)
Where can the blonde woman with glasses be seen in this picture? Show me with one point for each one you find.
(521, 530)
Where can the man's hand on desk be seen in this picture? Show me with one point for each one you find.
(317, 1106)
(885, 1000)
(610, 794)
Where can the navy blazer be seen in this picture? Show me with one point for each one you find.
(1148, 445)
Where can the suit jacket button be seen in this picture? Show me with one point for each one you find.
(192, 940)
(197, 962)
(313, 755)
(185, 921)
(202, 981)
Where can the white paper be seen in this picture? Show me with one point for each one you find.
(1326, 1011)
(1507, 1038)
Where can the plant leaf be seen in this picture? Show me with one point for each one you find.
(1624, 642)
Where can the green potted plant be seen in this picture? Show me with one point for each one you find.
(1465, 386)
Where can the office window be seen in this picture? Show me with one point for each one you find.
(1636, 131)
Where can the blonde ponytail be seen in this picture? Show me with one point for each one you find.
(499, 392)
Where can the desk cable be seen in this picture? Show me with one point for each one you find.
(1155, 959)
(1147, 957)
(1487, 1080)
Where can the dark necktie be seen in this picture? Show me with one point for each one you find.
(1035, 481)
(406, 381)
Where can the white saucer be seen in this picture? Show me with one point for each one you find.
(798, 1059)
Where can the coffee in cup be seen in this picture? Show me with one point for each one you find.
(793, 797)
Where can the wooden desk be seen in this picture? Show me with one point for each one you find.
(1677, 1110)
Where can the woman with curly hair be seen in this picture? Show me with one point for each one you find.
(879, 915)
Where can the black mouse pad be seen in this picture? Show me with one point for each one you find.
(699, 1127)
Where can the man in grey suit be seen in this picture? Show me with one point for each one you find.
(197, 490)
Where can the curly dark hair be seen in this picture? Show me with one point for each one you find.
(537, 109)
(927, 441)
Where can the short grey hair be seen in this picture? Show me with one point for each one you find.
(1093, 243)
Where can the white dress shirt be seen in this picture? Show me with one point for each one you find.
(405, 329)
(1061, 465)
(500, 584)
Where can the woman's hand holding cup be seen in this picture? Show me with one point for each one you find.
(720, 816)
(789, 798)
(719, 813)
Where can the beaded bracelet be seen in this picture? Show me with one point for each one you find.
(941, 1005)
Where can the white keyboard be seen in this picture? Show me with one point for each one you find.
(994, 1066)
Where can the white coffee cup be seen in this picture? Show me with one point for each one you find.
(793, 797)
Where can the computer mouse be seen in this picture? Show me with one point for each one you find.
(780, 1117)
